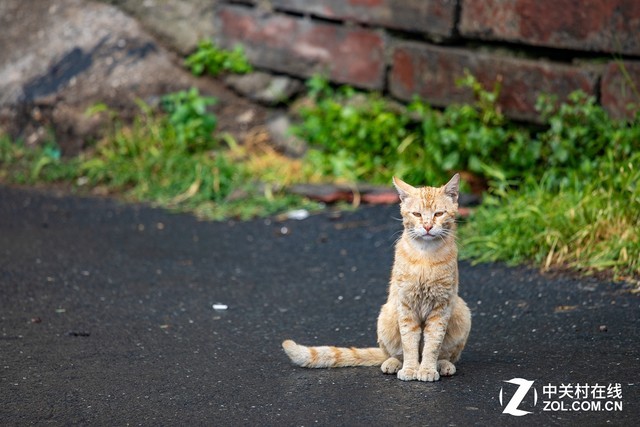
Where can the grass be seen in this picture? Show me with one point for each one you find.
(149, 161)
(590, 225)
(580, 208)
(30, 165)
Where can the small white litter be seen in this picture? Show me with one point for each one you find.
(220, 306)
(298, 214)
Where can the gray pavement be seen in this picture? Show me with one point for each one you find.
(106, 318)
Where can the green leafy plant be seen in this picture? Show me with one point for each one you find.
(210, 59)
(357, 136)
(364, 137)
(579, 133)
(193, 124)
(579, 207)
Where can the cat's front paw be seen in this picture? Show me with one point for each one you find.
(427, 375)
(407, 374)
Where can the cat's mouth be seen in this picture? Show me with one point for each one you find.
(427, 236)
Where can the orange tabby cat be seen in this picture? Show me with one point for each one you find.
(423, 303)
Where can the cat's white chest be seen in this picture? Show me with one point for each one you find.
(426, 291)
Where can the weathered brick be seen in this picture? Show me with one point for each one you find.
(303, 47)
(597, 25)
(431, 73)
(436, 17)
(620, 88)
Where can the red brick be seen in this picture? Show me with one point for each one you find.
(597, 25)
(303, 47)
(431, 73)
(620, 87)
(436, 17)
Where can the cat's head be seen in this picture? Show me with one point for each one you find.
(429, 213)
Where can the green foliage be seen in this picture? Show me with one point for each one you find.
(149, 161)
(152, 161)
(593, 223)
(579, 133)
(580, 208)
(210, 59)
(359, 135)
(566, 194)
(171, 160)
(189, 117)
(365, 137)
(28, 165)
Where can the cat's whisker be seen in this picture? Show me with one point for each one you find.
(397, 239)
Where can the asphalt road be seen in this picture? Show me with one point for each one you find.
(106, 318)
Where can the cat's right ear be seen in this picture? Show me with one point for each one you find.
(404, 189)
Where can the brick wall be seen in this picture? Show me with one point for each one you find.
(409, 47)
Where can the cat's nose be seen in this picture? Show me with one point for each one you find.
(428, 227)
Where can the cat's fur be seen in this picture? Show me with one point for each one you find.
(423, 306)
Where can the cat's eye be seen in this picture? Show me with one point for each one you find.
(416, 214)
(437, 214)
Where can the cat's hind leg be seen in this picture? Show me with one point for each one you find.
(446, 368)
(389, 339)
(391, 366)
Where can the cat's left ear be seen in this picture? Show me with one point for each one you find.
(404, 189)
(452, 188)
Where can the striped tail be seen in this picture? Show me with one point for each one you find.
(333, 357)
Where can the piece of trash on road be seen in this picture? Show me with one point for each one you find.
(298, 214)
(220, 306)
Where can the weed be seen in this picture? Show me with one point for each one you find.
(580, 208)
(29, 165)
(365, 137)
(171, 160)
(189, 117)
(210, 59)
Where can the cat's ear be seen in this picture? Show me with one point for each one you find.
(452, 188)
(404, 190)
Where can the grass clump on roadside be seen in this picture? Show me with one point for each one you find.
(29, 165)
(157, 160)
(172, 159)
(580, 209)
